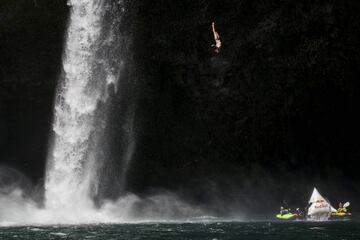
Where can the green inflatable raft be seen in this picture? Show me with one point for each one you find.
(288, 216)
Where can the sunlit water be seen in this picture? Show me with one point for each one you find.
(338, 230)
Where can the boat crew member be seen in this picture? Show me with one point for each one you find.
(341, 209)
(284, 210)
(298, 212)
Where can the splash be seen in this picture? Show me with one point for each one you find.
(19, 210)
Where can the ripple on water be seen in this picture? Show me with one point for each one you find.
(179, 231)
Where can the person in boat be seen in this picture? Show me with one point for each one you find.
(284, 211)
(341, 209)
(217, 44)
(299, 213)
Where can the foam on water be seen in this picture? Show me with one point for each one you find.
(17, 210)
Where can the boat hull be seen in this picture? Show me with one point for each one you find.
(340, 215)
(288, 216)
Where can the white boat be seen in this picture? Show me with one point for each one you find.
(320, 208)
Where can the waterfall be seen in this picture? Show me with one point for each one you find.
(80, 107)
(81, 170)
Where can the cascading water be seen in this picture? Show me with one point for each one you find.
(92, 62)
(72, 167)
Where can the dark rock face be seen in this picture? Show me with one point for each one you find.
(31, 40)
(272, 115)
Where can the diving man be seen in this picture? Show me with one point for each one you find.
(217, 44)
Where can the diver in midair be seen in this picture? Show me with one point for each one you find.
(217, 44)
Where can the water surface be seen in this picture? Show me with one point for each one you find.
(339, 230)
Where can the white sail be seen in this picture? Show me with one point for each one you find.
(316, 196)
(320, 208)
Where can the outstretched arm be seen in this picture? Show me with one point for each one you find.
(216, 35)
(214, 31)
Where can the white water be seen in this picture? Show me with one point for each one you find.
(67, 183)
(72, 171)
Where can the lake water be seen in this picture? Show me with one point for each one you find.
(260, 230)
